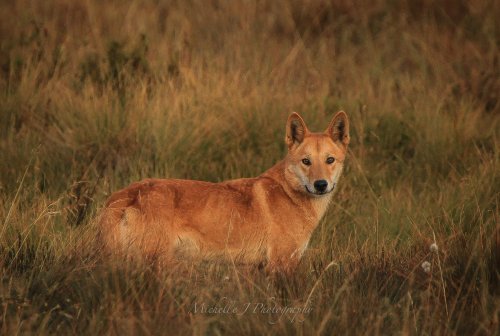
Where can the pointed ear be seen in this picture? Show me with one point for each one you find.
(296, 130)
(338, 129)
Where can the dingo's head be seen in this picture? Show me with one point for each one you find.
(315, 160)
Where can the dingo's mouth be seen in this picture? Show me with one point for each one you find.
(319, 193)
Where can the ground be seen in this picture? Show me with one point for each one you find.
(96, 95)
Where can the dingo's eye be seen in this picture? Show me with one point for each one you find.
(307, 162)
(330, 160)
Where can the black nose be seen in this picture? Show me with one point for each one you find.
(320, 185)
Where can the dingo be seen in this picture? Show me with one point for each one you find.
(267, 218)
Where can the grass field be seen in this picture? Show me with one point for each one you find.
(95, 95)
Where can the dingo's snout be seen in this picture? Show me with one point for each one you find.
(320, 185)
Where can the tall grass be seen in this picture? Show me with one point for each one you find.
(95, 95)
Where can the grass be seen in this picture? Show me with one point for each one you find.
(94, 96)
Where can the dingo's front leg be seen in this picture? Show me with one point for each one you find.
(284, 259)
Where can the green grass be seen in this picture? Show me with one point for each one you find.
(94, 96)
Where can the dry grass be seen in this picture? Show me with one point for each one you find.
(97, 95)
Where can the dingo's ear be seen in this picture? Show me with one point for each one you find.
(296, 130)
(338, 129)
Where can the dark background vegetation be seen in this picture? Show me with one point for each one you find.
(95, 95)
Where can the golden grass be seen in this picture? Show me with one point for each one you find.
(96, 95)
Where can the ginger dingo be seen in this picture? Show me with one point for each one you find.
(269, 218)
